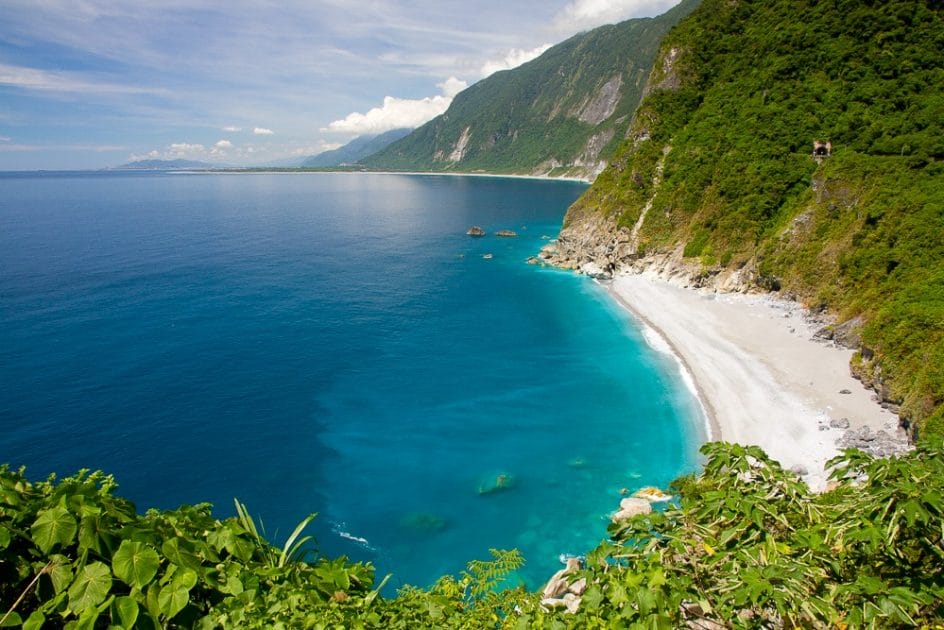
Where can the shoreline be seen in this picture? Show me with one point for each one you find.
(303, 171)
(760, 376)
(711, 427)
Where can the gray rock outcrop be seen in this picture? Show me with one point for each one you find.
(631, 507)
(560, 592)
(879, 443)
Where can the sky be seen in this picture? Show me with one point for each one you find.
(87, 84)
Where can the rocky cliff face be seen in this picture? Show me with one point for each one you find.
(596, 245)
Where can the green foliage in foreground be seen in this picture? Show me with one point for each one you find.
(747, 546)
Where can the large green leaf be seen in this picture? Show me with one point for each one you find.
(172, 599)
(60, 573)
(34, 621)
(90, 588)
(124, 612)
(53, 526)
(135, 563)
(178, 551)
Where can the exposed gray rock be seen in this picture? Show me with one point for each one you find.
(603, 103)
(800, 470)
(631, 507)
(876, 443)
(839, 423)
(506, 233)
(560, 593)
(475, 231)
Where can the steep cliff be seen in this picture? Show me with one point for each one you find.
(718, 184)
(564, 113)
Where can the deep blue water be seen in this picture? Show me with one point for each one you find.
(331, 343)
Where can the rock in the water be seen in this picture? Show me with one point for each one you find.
(594, 270)
(558, 584)
(653, 494)
(844, 391)
(631, 507)
(488, 256)
(506, 233)
(423, 522)
(475, 231)
(502, 481)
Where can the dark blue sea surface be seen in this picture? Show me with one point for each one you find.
(331, 343)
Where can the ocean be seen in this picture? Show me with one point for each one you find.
(332, 343)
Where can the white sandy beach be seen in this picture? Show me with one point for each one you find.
(762, 378)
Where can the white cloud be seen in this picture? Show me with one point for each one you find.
(452, 86)
(184, 149)
(587, 14)
(223, 144)
(43, 80)
(232, 129)
(262, 131)
(84, 148)
(513, 59)
(398, 113)
(6, 139)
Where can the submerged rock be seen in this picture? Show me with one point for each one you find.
(475, 231)
(502, 481)
(423, 522)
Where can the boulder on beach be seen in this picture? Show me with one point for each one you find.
(475, 231)
(506, 233)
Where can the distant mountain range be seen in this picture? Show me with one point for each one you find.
(165, 165)
(564, 113)
(356, 149)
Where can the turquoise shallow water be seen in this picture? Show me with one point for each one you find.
(331, 343)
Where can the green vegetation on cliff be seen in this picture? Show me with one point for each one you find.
(741, 92)
(563, 112)
(747, 546)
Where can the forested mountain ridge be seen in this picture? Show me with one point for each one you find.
(356, 149)
(563, 113)
(719, 183)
